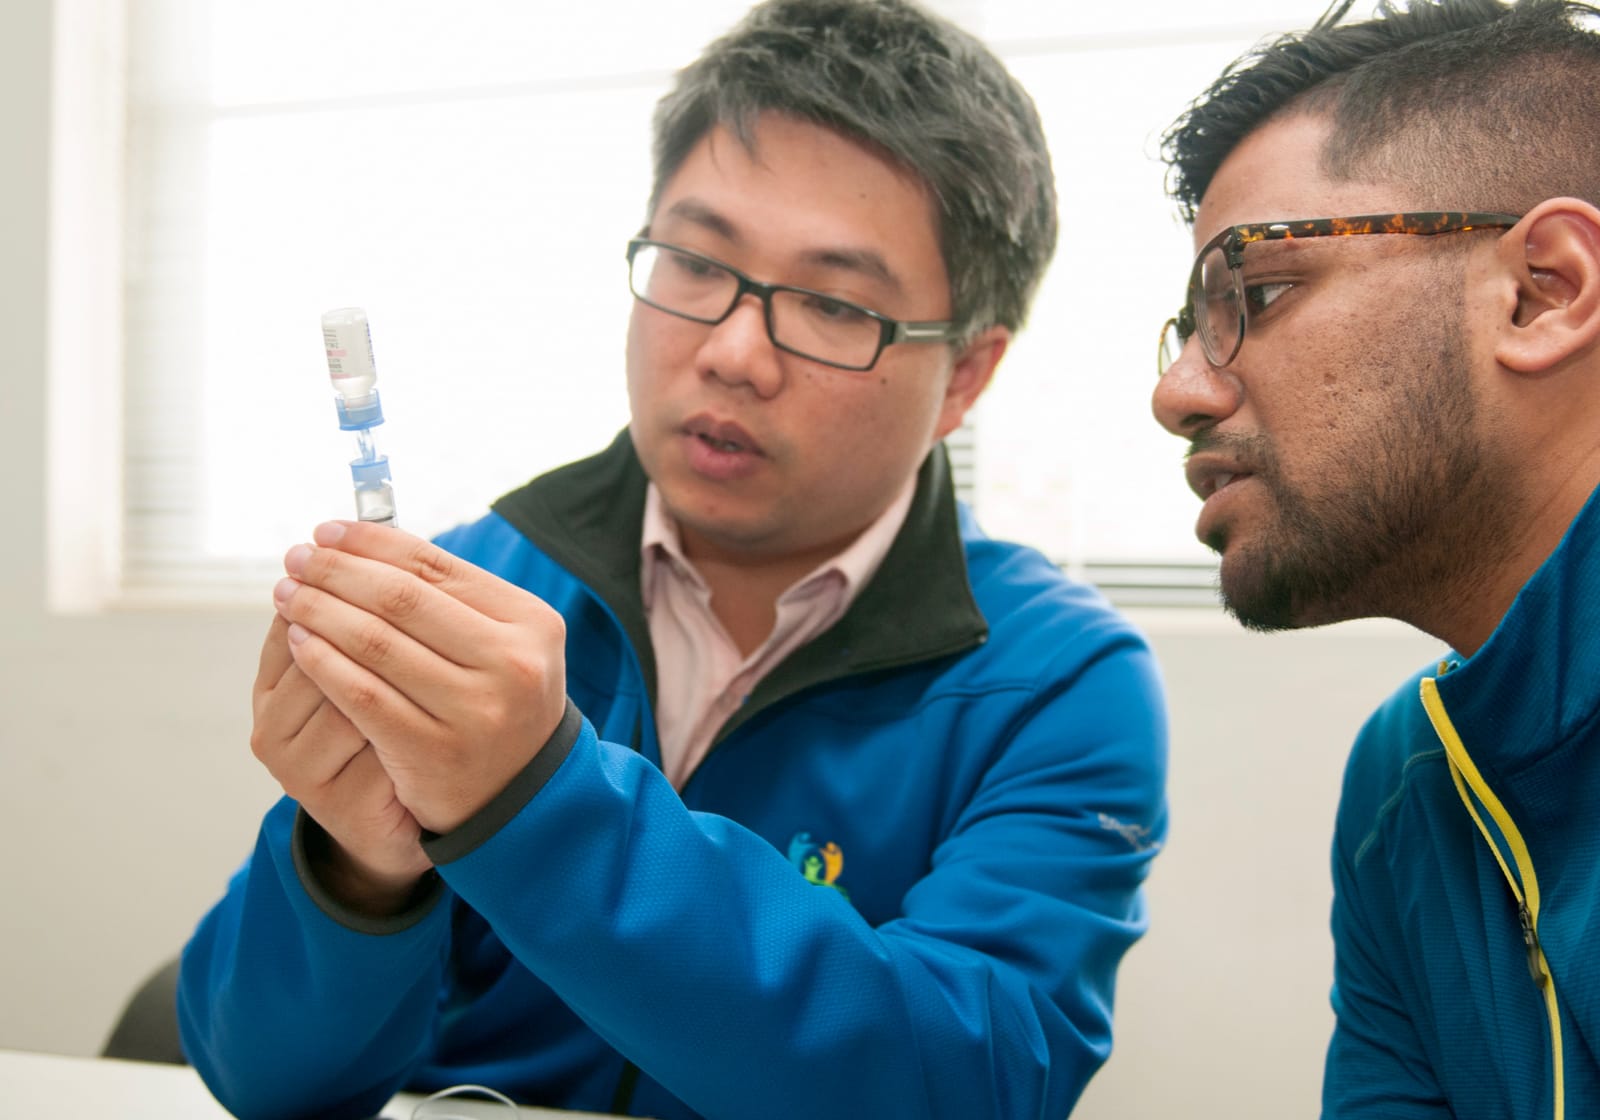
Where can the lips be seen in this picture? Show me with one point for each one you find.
(1218, 460)
(1224, 479)
(1207, 476)
(723, 436)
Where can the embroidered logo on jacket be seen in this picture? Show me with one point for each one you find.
(1137, 835)
(819, 863)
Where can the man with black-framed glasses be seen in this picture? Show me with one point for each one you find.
(820, 326)
(1387, 368)
(732, 772)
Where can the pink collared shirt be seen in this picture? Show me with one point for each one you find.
(700, 676)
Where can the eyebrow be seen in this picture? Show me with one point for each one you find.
(698, 213)
(868, 262)
(857, 260)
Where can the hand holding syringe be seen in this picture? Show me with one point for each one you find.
(374, 752)
(349, 344)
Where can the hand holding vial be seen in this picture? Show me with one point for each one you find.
(400, 688)
(455, 677)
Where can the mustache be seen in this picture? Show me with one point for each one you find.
(1251, 453)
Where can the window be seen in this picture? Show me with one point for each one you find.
(469, 175)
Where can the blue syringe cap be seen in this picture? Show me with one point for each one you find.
(360, 415)
(367, 472)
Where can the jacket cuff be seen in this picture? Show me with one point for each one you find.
(308, 841)
(510, 801)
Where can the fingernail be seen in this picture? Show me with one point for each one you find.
(294, 562)
(329, 532)
(297, 633)
(285, 589)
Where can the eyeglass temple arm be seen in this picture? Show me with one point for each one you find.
(922, 332)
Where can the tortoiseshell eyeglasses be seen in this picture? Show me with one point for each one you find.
(1216, 303)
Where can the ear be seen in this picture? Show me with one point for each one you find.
(973, 370)
(1553, 255)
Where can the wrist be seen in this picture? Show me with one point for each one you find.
(366, 893)
(358, 886)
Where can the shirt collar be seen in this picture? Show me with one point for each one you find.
(856, 564)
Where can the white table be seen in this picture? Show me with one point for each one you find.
(56, 1087)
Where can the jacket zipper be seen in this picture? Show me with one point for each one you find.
(1524, 883)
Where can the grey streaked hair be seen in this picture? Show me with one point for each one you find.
(907, 83)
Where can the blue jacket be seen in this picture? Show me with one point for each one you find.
(1440, 1014)
(899, 884)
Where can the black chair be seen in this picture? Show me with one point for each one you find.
(147, 1030)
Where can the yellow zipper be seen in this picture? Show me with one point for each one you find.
(1524, 883)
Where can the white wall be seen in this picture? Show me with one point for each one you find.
(1222, 1010)
(127, 792)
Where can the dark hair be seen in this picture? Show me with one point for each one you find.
(913, 86)
(1486, 105)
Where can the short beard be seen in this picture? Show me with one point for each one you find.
(1408, 516)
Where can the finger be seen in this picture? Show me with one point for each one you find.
(283, 698)
(379, 710)
(409, 667)
(363, 793)
(426, 613)
(323, 747)
(313, 754)
(275, 659)
(293, 713)
(282, 712)
(478, 589)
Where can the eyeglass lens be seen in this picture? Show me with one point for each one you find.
(807, 323)
(1216, 306)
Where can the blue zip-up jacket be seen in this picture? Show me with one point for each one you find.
(899, 884)
(1445, 1009)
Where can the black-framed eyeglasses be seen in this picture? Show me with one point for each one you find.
(812, 324)
(1216, 304)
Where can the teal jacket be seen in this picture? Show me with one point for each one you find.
(1459, 981)
(899, 884)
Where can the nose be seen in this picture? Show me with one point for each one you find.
(1194, 394)
(739, 351)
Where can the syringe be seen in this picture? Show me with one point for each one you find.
(348, 340)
